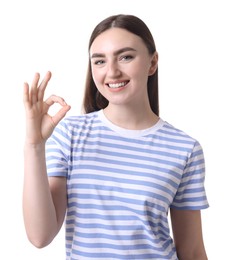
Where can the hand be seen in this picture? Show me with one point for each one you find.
(39, 124)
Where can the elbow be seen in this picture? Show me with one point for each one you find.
(39, 237)
(195, 256)
(39, 242)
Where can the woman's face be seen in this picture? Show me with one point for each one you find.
(121, 64)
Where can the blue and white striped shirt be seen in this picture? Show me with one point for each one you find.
(121, 184)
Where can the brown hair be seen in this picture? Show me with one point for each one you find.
(93, 100)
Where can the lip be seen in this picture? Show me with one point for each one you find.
(117, 85)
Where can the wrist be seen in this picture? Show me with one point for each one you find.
(34, 146)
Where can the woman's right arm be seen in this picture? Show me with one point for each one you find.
(44, 200)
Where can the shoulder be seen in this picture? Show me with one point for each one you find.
(72, 126)
(79, 120)
(179, 137)
(176, 133)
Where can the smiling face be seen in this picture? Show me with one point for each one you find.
(121, 64)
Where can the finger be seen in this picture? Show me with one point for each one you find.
(26, 100)
(43, 85)
(34, 88)
(55, 99)
(60, 114)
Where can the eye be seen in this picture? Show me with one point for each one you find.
(126, 57)
(98, 62)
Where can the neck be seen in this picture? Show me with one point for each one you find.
(134, 118)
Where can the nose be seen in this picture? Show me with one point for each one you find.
(113, 69)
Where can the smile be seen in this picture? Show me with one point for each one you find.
(117, 85)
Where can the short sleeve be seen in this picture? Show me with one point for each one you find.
(57, 151)
(191, 194)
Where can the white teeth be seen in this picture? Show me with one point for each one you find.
(117, 85)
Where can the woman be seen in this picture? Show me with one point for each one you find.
(116, 171)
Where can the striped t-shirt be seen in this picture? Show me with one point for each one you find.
(121, 184)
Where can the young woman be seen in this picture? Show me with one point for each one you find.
(115, 172)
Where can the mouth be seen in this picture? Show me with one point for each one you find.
(117, 85)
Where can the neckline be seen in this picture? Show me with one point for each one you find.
(129, 132)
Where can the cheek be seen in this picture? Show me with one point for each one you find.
(97, 76)
(140, 69)
(141, 74)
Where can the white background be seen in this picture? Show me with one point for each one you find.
(194, 45)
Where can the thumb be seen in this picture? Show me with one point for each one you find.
(60, 114)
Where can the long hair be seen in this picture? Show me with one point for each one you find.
(93, 100)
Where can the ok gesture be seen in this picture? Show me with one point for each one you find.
(39, 124)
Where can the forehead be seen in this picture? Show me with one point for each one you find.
(114, 39)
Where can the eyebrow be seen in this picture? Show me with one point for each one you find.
(101, 55)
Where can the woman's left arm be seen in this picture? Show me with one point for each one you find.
(187, 233)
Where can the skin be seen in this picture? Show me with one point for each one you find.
(44, 201)
(123, 57)
(187, 232)
(118, 57)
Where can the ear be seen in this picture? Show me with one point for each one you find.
(154, 64)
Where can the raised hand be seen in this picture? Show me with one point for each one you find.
(39, 124)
